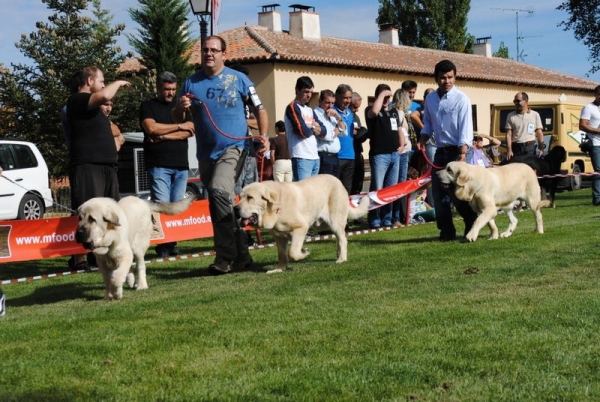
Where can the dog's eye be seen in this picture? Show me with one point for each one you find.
(91, 219)
(249, 198)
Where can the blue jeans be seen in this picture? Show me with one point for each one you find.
(595, 154)
(167, 184)
(303, 168)
(399, 207)
(248, 175)
(384, 173)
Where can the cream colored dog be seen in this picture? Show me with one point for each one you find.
(489, 189)
(118, 232)
(290, 209)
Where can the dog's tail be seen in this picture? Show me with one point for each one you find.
(361, 210)
(172, 208)
(544, 204)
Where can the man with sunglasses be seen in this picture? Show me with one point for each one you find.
(215, 98)
(523, 126)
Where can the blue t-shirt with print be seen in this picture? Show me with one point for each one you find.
(224, 95)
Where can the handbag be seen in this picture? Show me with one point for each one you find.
(586, 145)
(412, 135)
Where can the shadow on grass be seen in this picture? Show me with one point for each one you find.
(58, 293)
(174, 272)
(412, 240)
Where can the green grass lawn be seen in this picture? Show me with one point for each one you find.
(406, 318)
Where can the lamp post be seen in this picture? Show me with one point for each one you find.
(202, 9)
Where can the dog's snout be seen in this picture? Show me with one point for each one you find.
(80, 235)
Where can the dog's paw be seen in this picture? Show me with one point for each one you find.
(470, 237)
(275, 271)
(100, 250)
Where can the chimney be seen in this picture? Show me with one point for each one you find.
(388, 35)
(304, 23)
(482, 47)
(270, 18)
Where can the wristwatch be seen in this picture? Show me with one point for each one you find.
(542, 146)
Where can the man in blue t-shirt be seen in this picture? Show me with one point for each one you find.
(216, 96)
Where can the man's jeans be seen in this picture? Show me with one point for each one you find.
(399, 206)
(595, 154)
(167, 184)
(384, 173)
(303, 168)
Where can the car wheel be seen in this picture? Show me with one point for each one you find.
(31, 207)
(575, 183)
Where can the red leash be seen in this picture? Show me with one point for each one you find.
(210, 118)
(430, 163)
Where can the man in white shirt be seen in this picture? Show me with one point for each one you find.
(589, 121)
(448, 114)
(328, 145)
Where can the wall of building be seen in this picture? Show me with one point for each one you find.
(275, 85)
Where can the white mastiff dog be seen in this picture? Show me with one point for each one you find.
(489, 189)
(290, 209)
(118, 232)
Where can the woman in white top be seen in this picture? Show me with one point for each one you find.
(401, 102)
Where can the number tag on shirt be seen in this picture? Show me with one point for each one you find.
(531, 128)
(394, 123)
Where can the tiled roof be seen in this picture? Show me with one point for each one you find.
(256, 44)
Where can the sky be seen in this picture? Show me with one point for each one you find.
(542, 42)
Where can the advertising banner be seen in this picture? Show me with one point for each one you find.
(24, 240)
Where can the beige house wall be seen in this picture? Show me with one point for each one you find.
(275, 85)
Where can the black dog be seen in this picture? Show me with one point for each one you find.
(549, 165)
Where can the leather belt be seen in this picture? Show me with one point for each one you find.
(448, 149)
(525, 143)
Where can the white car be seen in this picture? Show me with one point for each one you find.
(24, 188)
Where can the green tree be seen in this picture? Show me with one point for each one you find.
(502, 51)
(584, 21)
(162, 39)
(432, 24)
(32, 95)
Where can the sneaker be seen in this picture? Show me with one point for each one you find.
(219, 267)
(2, 304)
(83, 265)
(246, 263)
(91, 259)
(161, 251)
(445, 238)
(174, 252)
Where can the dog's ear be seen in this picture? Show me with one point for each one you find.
(111, 217)
(461, 176)
(271, 196)
(465, 185)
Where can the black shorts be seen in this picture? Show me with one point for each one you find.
(89, 181)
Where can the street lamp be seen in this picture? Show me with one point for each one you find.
(202, 9)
